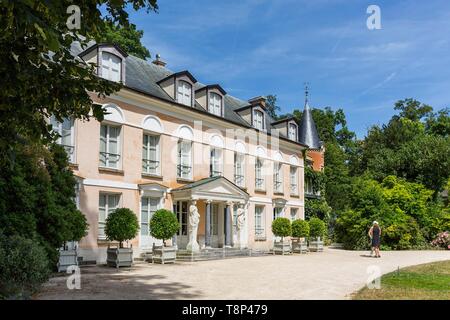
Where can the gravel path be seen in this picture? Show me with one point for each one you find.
(332, 274)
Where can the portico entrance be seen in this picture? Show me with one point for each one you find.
(205, 212)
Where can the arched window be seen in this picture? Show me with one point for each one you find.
(215, 104)
(184, 93)
(111, 67)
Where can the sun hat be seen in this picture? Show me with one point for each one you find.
(375, 222)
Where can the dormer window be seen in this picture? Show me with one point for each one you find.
(111, 67)
(184, 93)
(215, 104)
(258, 119)
(292, 133)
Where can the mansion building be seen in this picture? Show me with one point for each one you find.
(168, 141)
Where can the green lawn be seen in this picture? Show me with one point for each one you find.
(425, 281)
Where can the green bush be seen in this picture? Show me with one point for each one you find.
(24, 266)
(281, 227)
(317, 228)
(164, 225)
(76, 226)
(300, 229)
(121, 225)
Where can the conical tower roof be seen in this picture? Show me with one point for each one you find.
(308, 131)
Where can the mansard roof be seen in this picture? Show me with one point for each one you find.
(143, 77)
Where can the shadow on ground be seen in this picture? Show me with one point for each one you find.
(101, 282)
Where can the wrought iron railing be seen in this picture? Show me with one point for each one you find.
(108, 157)
(277, 186)
(183, 171)
(239, 179)
(150, 166)
(259, 183)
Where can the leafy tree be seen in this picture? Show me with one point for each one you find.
(127, 38)
(164, 225)
(121, 225)
(318, 208)
(412, 109)
(272, 107)
(40, 76)
(439, 123)
(300, 228)
(281, 227)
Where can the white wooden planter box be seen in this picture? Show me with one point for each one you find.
(164, 255)
(67, 258)
(281, 248)
(316, 245)
(119, 257)
(299, 246)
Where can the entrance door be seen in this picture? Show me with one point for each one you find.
(181, 209)
(215, 225)
(149, 205)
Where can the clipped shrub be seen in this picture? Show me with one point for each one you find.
(317, 228)
(281, 227)
(442, 240)
(24, 266)
(121, 225)
(164, 225)
(76, 226)
(300, 229)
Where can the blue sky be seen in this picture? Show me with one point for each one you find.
(260, 47)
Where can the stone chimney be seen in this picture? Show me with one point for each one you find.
(158, 61)
(260, 100)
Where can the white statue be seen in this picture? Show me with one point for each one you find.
(194, 219)
(240, 223)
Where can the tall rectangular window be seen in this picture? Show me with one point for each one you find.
(215, 104)
(107, 204)
(184, 93)
(111, 67)
(151, 154)
(181, 208)
(259, 177)
(184, 159)
(294, 212)
(277, 177)
(66, 135)
(258, 120)
(260, 231)
(239, 173)
(292, 131)
(215, 162)
(149, 205)
(277, 212)
(294, 180)
(109, 146)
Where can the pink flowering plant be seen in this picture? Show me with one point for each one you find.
(442, 240)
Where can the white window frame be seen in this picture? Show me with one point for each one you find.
(277, 212)
(151, 166)
(292, 131)
(111, 70)
(239, 169)
(278, 177)
(108, 142)
(293, 214)
(58, 127)
(260, 182)
(216, 163)
(107, 210)
(215, 104)
(260, 225)
(182, 165)
(258, 121)
(149, 213)
(184, 93)
(293, 180)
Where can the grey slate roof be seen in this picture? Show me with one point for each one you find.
(308, 131)
(143, 76)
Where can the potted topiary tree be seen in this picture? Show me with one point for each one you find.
(317, 232)
(75, 228)
(281, 227)
(164, 225)
(300, 231)
(121, 225)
